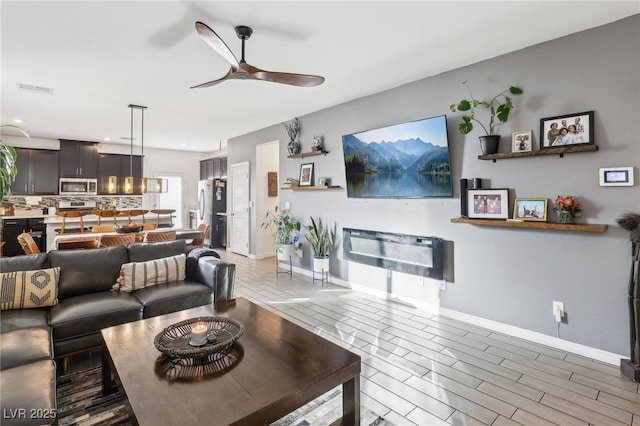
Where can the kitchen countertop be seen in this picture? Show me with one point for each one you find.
(28, 214)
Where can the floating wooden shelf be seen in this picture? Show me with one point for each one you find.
(307, 154)
(311, 188)
(533, 225)
(547, 151)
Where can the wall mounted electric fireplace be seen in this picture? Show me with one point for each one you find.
(411, 254)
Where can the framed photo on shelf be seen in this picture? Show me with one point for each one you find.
(534, 209)
(322, 181)
(567, 130)
(522, 141)
(488, 203)
(306, 174)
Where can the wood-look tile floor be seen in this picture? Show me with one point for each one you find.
(424, 369)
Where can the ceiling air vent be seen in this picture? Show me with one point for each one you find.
(35, 89)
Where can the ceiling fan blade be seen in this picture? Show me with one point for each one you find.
(215, 42)
(303, 80)
(214, 82)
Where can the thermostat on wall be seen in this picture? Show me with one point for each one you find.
(616, 176)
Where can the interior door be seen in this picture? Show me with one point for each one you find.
(240, 208)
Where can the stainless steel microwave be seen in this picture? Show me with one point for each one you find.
(78, 186)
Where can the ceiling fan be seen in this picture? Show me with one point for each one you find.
(241, 70)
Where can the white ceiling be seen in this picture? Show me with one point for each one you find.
(100, 56)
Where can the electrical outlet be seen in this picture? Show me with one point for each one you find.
(558, 311)
(287, 205)
(421, 281)
(443, 285)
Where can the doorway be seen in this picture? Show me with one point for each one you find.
(240, 208)
(173, 199)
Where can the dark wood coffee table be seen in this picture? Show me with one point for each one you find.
(275, 367)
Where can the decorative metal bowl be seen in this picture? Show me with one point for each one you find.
(174, 341)
(126, 229)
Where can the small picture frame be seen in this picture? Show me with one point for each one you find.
(322, 181)
(567, 130)
(534, 209)
(488, 203)
(522, 141)
(306, 174)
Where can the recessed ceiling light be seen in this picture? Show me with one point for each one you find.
(184, 144)
(17, 120)
(107, 139)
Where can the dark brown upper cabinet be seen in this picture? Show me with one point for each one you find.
(78, 159)
(37, 172)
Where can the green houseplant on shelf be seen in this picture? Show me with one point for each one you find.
(499, 107)
(321, 240)
(8, 158)
(284, 229)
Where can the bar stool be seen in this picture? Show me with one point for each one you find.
(136, 213)
(158, 212)
(106, 213)
(73, 214)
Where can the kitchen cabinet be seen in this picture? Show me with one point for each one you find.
(213, 168)
(78, 159)
(37, 172)
(117, 165)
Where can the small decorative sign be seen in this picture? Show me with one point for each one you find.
(272, 184)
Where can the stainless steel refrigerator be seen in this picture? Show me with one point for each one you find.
(212, 210)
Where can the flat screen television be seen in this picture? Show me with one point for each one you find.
(407, 160)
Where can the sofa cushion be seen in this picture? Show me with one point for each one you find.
(171, 297)
(33, 387)
(25, 262)
(87, 314)
(87, 271)
(142, 252)
(137, 275)
(21, 347)
(24, 318)
(29, 289)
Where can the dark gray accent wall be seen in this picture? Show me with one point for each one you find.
(506, 275)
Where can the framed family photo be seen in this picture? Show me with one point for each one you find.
(306, 174)
(566, 130)
(522, 141)
(534, 209)
(488, 203)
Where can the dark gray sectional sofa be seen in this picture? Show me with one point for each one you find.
(32, 339)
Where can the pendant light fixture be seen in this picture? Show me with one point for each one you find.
(141, 185)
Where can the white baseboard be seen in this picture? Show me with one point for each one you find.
(533, 336)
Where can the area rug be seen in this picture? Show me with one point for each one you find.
(80, 402)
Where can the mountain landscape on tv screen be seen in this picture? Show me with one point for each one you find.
(400, 168)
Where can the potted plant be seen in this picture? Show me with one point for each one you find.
(321, 241)
(8, 169)
(499, 107)
(283, 229)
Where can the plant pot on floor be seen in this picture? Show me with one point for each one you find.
(285, 251)
(489, 144)
(321, 263)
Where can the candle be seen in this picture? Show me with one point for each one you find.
(199, 333)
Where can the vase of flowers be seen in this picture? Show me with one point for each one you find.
(566, 207)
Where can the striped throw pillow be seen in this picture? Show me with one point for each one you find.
(137, 275)
(29, 289)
